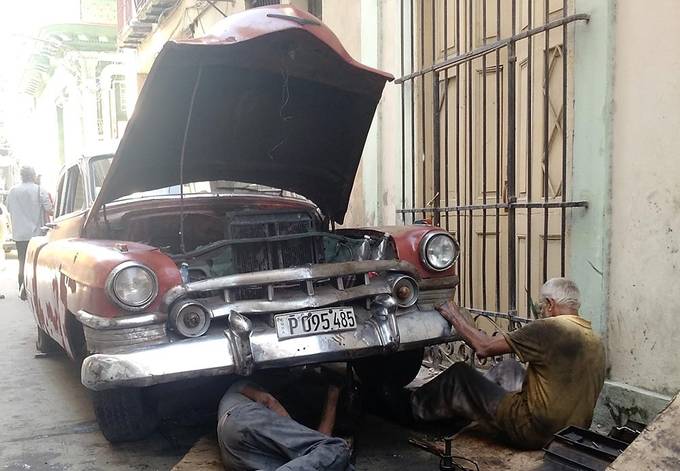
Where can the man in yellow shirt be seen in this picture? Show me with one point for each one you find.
(565, 373)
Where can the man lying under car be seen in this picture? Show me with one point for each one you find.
(565, 373)
(256, 430)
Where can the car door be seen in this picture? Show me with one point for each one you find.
(47, 254)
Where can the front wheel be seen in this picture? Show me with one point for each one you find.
(397, 369)
(124, 414)
(45, 344)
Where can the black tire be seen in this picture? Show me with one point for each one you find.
(46, 344)
(124, 415)
(395, 370)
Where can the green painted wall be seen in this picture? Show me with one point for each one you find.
(592, 156)
(599, 78)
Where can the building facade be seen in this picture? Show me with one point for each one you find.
(76, 91)
(540, 132)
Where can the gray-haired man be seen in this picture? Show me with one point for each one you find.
(563, 380)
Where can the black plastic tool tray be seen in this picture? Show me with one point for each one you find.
(579, 448)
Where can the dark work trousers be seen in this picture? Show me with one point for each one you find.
(252, 437)
(463, 392)
(22, 245)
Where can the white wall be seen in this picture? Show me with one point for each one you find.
(390, 170)
(644, 308)
(344, 19)
(369, 30)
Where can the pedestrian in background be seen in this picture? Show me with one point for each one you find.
(29, 205)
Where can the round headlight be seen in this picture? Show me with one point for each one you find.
(132, 286)
(439, 251)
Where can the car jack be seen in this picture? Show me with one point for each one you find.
(447, 458)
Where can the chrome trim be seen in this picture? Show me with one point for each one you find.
(394, 279)
(438, 283)
(177, 311)
(283, 275)
(435, 297)
(385, 322)
(238, 333)
(118, 340)
(138, 320)
(423, 246)
(111, 292)
(191, 358)
(379, 331)
(284, 302)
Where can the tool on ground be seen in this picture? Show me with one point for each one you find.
(447, 460)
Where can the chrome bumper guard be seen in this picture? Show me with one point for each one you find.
(242, 348)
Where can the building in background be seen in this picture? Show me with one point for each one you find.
(145, 25)
(546, 153)
(9, 165)
(77, 91)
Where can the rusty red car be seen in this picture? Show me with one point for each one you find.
(207, 245)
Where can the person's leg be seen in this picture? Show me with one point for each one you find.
(22, 245)
(460, 391)
(254, 437)
(238, 447)
(508, 374)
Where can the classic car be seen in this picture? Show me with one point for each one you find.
(207, 245)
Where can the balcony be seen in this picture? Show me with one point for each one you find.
(137, 19)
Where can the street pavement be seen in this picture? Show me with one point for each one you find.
(47, 419)
(48, 422)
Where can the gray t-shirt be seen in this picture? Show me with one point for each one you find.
(27, 203)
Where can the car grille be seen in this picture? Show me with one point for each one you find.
(281, 252)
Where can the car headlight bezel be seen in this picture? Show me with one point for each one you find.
(425, 243)
(111, 290)
(189, 310)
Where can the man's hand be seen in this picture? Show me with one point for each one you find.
(461, 320)
(455, 315)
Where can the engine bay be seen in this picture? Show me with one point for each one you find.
(243, 241)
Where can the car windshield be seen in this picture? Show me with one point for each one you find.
(99, 167)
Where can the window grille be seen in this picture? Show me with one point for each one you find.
(486, 135)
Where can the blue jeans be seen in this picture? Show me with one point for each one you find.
(252, 437)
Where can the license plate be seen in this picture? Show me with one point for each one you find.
(316, 321)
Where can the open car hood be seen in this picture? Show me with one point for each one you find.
(269, 97)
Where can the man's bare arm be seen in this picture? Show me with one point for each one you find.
(329, 410)
(265, 399)
(484, 345)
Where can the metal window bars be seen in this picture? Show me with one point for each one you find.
(485, 104)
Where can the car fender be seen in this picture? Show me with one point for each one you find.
(407, 244)
(71, 275)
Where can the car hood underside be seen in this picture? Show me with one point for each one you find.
(270, 97)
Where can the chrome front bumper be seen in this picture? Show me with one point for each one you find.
(222, 350)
